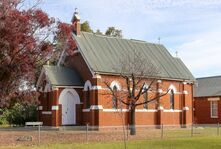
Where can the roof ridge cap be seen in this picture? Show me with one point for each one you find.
(133, 40)
(218, 76)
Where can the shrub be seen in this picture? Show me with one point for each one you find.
(19, 114)
(3, 117)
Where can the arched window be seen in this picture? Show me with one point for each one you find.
(87, 88)
(115, 83)
(172, 99)
(87, 98)
(145, 97)
(114, 99)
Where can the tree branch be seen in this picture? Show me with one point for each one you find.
(152, 100)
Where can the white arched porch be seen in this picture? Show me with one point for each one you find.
(68, 100)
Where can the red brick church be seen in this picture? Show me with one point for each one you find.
(72, 91)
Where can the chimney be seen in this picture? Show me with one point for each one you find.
(76, 22)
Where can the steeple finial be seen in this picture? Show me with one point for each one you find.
(176, 53)
(159, 40)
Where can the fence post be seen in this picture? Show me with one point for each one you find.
(39, 134)
(87, 133)
(217, 129)
(128, 128)
(192, 130)
(161, 131)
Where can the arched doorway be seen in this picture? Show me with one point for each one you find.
(68, 100)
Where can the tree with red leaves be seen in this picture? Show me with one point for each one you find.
(24, 46)
(64, 37)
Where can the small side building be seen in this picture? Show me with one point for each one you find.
(207, 105)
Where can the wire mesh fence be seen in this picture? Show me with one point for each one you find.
(84, 134)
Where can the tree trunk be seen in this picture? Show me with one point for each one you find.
(132, 121)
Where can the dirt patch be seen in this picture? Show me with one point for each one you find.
(11, 137)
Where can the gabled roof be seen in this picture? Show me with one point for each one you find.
(208, 86)
(62, 76)
(102, 53)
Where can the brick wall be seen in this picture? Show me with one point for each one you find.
(102, 97)
(202, 113)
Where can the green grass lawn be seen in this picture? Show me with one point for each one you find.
(182, 143)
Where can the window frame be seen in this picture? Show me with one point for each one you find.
(172, 97)
(88, 103)
(145, 96)
(114, 100)
(212, 108)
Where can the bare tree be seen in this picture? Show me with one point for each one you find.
(140, 76)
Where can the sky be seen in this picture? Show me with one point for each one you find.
(192, 28)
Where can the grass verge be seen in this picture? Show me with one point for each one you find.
(181, 143)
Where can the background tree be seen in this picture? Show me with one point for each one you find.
(64, 39)
(24, 46)
(98, 32)
(140, 76)
(112, 31)
(85, 26)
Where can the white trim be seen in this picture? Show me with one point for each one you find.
(159, 81)
(54, 88)
(100, 107)
(96, 107)
(96, 87)
(173, 88)
(40, 107)
(46, 112)
(146, 110)
(171, 110)
(86, 110)
(86, 85)
(160, 91)
(115, 83)
(214, 99)
(97, 76)
(76, 51)
(60, 86)
(160, 108)
(185, 92)
(47, 88)
(115, 110)
(55, 107)
(186, 108)
(63, 93)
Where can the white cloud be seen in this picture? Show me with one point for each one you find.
(203, 54)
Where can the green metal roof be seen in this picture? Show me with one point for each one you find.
(103, 52)
(62, 76)
(208, 86)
